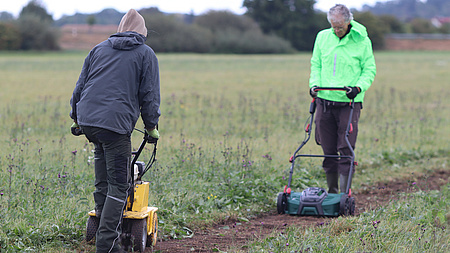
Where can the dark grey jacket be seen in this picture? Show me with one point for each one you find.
(119, 80)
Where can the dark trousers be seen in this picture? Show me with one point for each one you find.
(112, 183)
(331, 124)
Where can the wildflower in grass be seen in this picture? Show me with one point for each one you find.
(74, 152)
(267, 156)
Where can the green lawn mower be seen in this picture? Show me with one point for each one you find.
(316, 201)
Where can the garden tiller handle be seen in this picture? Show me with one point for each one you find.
(147, 139)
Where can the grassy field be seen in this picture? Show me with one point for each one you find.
(228, 127)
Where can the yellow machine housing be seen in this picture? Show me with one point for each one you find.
(141, 210)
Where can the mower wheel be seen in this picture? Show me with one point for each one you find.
(351, 206)
(91, 228)
(154, 235)
(139, 234)
(347, 206)
(343, 207)
(281, 203)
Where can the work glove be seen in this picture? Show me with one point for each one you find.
(352, 91)
(312, 92)
(153, 133)
(76, 130)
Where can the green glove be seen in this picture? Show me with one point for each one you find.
(153, 133)
(75, 129)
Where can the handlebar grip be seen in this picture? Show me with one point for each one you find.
(312, 107)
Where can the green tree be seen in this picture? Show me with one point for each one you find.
(90, 20)
(392, 24)
(35, 8)
(9, 37)
(217, 21)
(420, 25)
(166, 33)
(6, 16)
(35, 26)
(293, 20)
(374, 26)
(240, 34)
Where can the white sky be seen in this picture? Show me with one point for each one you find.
(57, 8)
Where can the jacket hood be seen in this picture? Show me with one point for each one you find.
(132, 21)
(359, 32)
(126, 40)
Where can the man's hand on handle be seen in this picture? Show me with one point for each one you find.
(352, 91)
(153, 133)
(75, 129)
(313, 92)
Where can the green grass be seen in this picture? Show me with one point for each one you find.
(229, 125)
(416, 223)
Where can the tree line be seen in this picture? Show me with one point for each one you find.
(268, 26)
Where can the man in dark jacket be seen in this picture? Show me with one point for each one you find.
(119, 80)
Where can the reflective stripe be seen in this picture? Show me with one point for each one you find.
(116, 199)
(334, 67)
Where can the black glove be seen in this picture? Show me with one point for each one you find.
(312, 92)
(76, 130)
(352, 91)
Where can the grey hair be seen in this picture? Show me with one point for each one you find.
(339, 10)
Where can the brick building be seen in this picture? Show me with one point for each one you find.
(405, 41)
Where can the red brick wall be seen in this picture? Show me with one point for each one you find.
(418, 43)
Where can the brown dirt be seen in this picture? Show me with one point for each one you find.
(233, 232)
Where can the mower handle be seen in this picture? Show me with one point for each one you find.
(312, 109)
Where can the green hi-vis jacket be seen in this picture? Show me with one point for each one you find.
(345, 62)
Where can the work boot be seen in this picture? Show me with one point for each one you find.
(332, 181)
(343, 180)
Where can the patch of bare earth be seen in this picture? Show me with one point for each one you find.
(233, 232)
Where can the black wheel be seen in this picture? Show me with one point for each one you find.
(91, 228)
(281, 203)
(343, 207)
(347, 206)
(154, 235)
(351, 206)
(138, 238)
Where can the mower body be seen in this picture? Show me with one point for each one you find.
(313, 201)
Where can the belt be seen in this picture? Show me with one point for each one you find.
(329, 103)
(334, 104)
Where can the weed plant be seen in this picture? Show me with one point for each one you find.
(229, 125)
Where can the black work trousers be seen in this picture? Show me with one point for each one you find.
(112, 183)
(331, 125)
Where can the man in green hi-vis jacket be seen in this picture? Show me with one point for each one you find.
(342, 57)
